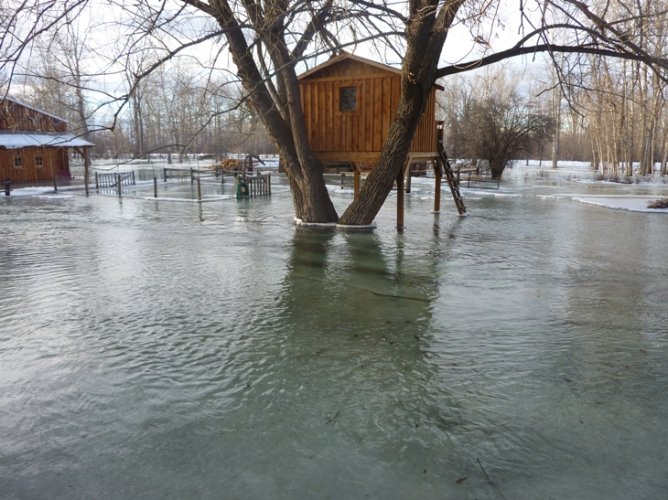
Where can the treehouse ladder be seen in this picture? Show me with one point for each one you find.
(452, 180)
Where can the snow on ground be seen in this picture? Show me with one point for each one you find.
(38, 191)
(631, 203)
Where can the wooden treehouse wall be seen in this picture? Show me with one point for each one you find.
(357, 135)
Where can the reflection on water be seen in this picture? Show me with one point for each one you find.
(151, 349)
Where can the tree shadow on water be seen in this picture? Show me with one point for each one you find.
(347, 366)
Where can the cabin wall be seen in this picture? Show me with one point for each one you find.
(37, 164)
(357, 136)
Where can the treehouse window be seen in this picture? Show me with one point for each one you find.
(18, 161)
(39, 161)
(347, 99)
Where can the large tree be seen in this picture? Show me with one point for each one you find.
(269, 41)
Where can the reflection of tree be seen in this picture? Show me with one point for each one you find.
(343, 371)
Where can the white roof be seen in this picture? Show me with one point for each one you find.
(9, 140)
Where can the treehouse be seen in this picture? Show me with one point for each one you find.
(34, 145)
(349, 103)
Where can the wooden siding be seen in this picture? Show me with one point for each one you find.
(15, 117)
(357, 136)
(54, 163)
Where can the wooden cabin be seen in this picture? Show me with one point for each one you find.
(348, 105)
(34, 145)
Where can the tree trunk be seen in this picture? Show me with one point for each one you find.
(497, 167)
(556, 103)
(282, 115)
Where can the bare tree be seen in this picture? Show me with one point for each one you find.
(496, 124)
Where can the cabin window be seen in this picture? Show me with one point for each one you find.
(18, 161)
(39, 161)
(347, 99)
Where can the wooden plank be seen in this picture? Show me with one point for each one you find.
(334, 141)
(325, 144)
(318, 131)
(387, 106)
(377, 114)
(368, 113)
(355, 119)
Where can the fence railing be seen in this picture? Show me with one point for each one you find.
(258, 185)
(114, 179)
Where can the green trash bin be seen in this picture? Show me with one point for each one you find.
(242, 188)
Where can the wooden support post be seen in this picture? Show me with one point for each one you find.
(155, 187)
(400, 201)
(437, 188)
(97, 182)
(199, 190)
(164, 171)
(356, 183)
(118, 183)
(408, 178)
(8, 187)
(55, 183)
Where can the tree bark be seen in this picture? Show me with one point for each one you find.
(496, 168)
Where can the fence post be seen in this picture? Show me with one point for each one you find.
(8, 186)
(118, 183)
(133, 178)
(155, 187)
(199, 190)
(164, 173)
(97, 183)
(269, 183)
(55, 183)
(192, 176)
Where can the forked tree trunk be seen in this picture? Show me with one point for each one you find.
(309, 193)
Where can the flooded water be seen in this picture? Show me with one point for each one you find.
(152, 349)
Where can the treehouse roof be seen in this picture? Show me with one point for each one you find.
(341, 64)
(347, 57)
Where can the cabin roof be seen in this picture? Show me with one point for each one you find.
(32, 108)
(347, 56)
(13, 140)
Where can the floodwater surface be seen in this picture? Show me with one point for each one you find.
(152, 349)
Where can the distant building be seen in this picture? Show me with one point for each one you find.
(34, 145)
